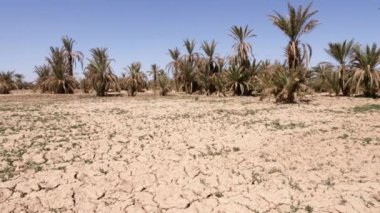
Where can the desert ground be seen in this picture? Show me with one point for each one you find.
(81, 153)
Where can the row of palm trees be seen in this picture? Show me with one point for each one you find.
(239, 74)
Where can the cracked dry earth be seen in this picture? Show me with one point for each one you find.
(177, 154)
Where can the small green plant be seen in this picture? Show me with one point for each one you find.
(366, 141)
(274, 170)
(344, 136)
(329, 182)
(367, 108)
(309, 209)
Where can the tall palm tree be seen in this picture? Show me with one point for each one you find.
(242, 48)
(209, 50)
(175, 55)
(341, 52)
(366, 60)
(99, 71)
(296, 24)
(71, 55)
(190, 47)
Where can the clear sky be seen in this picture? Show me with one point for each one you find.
(143, 30)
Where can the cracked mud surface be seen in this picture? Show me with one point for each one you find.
(177, 154)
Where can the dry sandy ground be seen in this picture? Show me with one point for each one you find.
(178, 154)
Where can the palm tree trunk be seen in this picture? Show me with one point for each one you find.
(71, 72)
(341, 80)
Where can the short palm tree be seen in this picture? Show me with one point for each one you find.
(187, 75)
(99, 71)
(43, 73)
(7, 82)
(71, 55)
(58, 81)
(341, 52)
(135, 79)
(163, 82)
(19, 80)
(243, 49)
(238, 80)
(282, 82)
(298, 23)
(324, 78)
(365, 61)
(218, 79)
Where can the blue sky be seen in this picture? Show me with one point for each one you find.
(143, 30)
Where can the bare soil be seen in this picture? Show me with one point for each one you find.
(80, 153)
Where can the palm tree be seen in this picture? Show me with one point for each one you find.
(209, 50)
(242, 48)
(324, 78)
(295, 25)
(175, 54)
(282, 82)
(341, 52)
(136, 79)
(71, 55)
(164, 82)
(154, 71)
(187, 75)
(43, 73)
(366, 60)
(190, 47)
(238, 80)
(209, 66)
(99, 71)
(19, 81)
(7, 82)
(58, 80)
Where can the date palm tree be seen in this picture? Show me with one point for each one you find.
(163, 82)
(209, 50)
(175, 55)
(71, 55)
(341, 52)
(135, 79)
(324, 78)
(209, 66)
(190, 48)
(288, 81)
(188, 72)
(297, 23)
(366, 60)
(238, 80)
(99, 71)
(242, 48)
(58, 80)
(154, 71)
(43, 73)
(7, 82)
